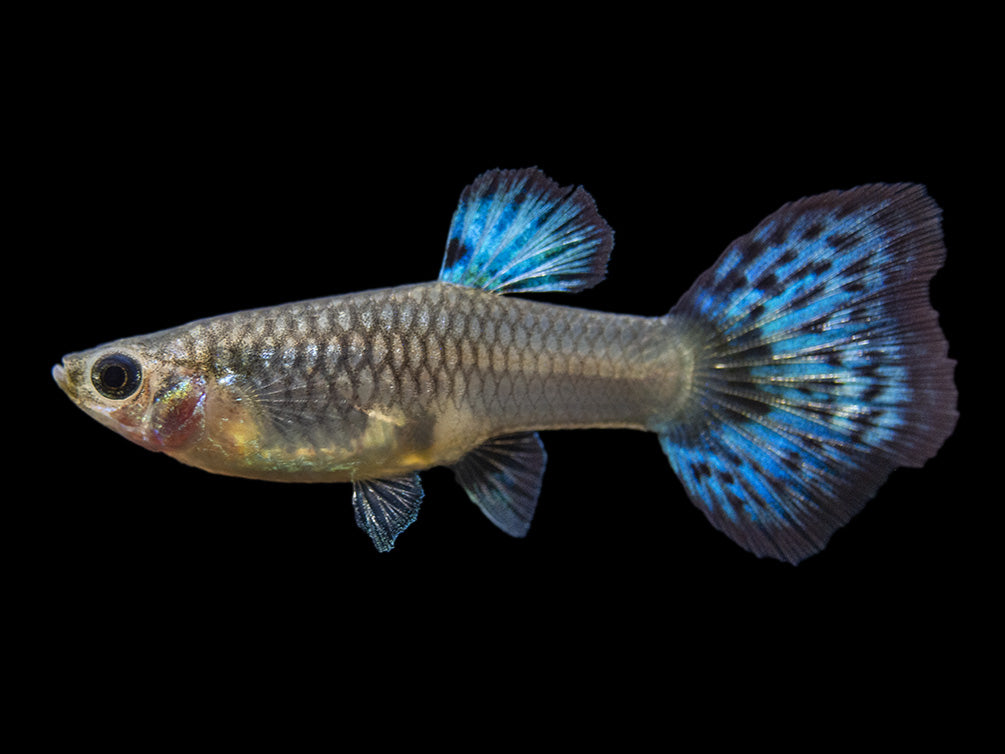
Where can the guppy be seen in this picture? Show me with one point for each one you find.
(784, 386)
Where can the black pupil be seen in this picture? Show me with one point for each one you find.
(116, 376)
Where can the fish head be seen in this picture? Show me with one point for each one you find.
(136, 392)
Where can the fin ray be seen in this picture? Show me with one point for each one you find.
(517, 230)
(503, 478)
(386, 507)
(821, 367)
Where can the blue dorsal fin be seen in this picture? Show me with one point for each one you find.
(386, 507)
(518, 230)
(503, 477)
(820, 367)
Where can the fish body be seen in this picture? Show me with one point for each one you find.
(386, 381)
(793, 377)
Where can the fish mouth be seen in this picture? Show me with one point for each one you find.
(59, 375)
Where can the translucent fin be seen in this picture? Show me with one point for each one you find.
(517, 230)
(386, 507)
(820, 367)
(503, 477)
(300, 404)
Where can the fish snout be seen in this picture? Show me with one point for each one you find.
(59, 375)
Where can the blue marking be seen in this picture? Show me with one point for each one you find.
(517, 230)
(806, 397)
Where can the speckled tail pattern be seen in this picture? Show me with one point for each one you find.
(821, 367)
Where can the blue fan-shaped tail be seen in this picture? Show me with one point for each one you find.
(820, 367)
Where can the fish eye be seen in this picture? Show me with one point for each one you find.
(116, 376)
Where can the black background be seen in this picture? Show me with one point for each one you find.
(171, 186)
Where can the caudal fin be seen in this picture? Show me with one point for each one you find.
(820, 367)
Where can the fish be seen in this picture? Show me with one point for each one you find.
(803, 367)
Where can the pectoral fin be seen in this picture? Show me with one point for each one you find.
(503, 477)
(386, 507)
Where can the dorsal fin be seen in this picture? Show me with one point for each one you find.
(518, 230)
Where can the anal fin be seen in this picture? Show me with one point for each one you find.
(503, 478)
(386, 507)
